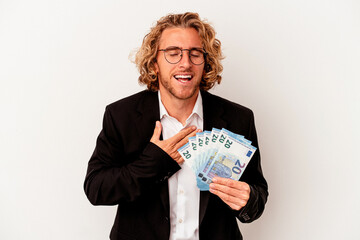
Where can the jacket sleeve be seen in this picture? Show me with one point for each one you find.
(114, 176)
(258, 186)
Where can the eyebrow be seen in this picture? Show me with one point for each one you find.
(196, 48)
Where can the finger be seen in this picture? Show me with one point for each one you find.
(157, 132)
(237, 195)
(224, 181)
(186, 138)
(231, 183)
(227, 190)
(233, 202)
(179, 159)
(182, 134)
(176, 156)
(240, 190)
(234, 206)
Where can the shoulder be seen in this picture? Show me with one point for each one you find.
(132, 102)
(233, 116)
(229, 107)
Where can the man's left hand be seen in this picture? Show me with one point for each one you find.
(234, 193)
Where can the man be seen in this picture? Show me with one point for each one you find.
(137, 166)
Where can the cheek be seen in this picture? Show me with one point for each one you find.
(164, 69)
(201, 72)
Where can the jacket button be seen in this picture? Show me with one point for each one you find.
(245, 217)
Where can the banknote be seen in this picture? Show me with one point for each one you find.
(188, 155)
(194, 146)
(217, 153)
(211, 150)
(200, 139)
(230, 161)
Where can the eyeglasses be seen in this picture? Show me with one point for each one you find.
(174, 55)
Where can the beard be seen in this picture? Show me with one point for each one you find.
(181, 93)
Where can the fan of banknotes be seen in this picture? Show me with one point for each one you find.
(217, 153)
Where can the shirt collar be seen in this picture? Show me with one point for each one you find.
(198, 108)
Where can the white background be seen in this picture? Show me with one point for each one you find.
(294, 63)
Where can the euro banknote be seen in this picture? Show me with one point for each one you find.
(217, 153)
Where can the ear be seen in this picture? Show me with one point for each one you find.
(156, 67)
(207, 68)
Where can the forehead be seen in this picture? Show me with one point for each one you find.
(180, 37)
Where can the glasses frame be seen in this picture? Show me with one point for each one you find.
(181, 56)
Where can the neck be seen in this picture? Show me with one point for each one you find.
(179, 108)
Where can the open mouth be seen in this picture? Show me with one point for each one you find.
(183, 77)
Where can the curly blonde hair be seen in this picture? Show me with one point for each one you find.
(145, 58)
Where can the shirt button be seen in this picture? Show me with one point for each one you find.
(181, 191)
(180, 220)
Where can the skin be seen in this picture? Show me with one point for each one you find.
(234, 193)
(179, 97)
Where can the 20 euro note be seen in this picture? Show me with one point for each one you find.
(191, 155)
(217, 153)
(212, 148)
(230, 161)
(200, 144)
(217, 138)
(188, 155)
(204, 150)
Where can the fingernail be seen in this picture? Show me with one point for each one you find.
(193, 127)
(214, 180)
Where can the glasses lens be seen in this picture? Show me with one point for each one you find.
(196, 56)
(173, 55)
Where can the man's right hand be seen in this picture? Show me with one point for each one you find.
(171, 145)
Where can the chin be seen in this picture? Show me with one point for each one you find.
(186, 95)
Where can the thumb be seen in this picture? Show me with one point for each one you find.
(157, 132)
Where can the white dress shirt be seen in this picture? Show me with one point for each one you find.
(184, 195)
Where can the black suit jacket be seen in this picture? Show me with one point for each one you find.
(129, 171)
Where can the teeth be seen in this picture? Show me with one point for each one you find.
(183, 76)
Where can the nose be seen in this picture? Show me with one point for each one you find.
(185, 59)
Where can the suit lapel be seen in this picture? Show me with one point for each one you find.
(149, 113)
(213, 113)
